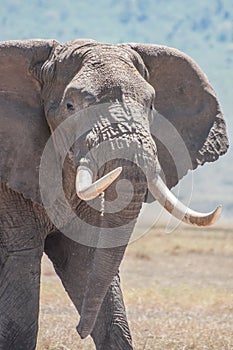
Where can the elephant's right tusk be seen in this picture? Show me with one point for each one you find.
(86, 190)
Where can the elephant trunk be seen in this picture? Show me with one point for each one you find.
(112, 237)
(105, 265)
(130, 154)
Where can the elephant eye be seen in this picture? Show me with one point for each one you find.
(69, 106)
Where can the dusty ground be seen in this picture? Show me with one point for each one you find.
(178, 290)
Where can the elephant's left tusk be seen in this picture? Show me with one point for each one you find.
(165, 197)
(86, 190)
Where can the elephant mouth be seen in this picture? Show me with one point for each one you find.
(114, 197)
(133, 141)
(87, 190)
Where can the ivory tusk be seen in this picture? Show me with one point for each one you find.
(166, 198)
(86, 190)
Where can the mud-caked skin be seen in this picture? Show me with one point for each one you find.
(43, 84)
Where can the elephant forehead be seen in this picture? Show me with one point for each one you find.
(96, 72)
(110, 83)
(105, 53)
(115, 57)
(111, 71)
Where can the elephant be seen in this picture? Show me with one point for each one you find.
(57, 186)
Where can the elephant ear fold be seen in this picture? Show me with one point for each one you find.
(188, 122)
(23, 128)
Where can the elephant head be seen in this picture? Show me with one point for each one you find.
(118, 96)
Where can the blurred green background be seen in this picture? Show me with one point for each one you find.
(203, 30)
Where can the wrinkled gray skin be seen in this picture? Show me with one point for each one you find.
(41, 84)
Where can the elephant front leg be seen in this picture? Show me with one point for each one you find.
(21, 248)
(72, 263)
(19, 299)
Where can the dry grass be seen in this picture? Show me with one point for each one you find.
(178, 290)
(186, 239)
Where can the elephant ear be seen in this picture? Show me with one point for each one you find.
(188, 112)
(23, 127)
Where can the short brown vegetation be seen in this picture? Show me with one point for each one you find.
(178, 290)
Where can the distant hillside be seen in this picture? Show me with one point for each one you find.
(202, 29)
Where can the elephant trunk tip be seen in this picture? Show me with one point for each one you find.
(82, 331)
(84, 328)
